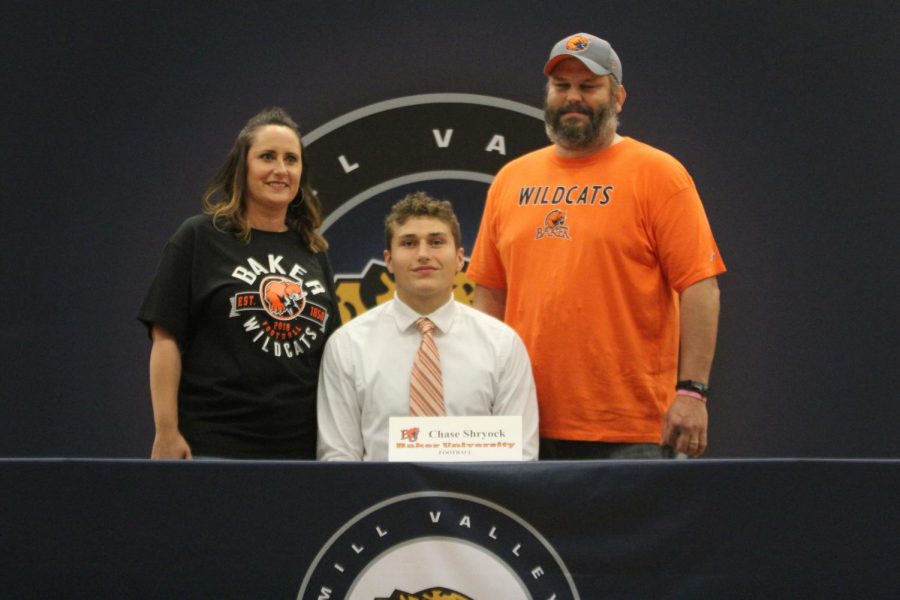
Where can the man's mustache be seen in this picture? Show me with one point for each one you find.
(576, 108)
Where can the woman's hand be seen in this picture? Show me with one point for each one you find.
(170, 445)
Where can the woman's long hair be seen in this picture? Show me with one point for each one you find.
(224, 198)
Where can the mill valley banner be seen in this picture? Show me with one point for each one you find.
(448, 145)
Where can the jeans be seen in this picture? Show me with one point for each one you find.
(552, 449)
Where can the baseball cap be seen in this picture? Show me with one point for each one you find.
(596, 54)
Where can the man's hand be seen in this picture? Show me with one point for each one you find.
(684, 427)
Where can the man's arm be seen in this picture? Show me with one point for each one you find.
(339, 418)
(685, 425)
(490, 300)
(699, 325)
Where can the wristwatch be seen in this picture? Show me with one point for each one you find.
(693, 386)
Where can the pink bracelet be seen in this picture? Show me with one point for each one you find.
(692, 394)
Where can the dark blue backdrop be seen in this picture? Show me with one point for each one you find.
(744, 529)
(115, 114)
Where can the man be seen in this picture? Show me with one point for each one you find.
(598, 252)
(370, 371)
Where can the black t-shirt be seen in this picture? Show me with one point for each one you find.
(251, 320)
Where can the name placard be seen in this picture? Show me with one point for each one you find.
(454, 439)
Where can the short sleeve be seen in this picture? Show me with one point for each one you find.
(684, 241)
(168, 300)
(486, 265)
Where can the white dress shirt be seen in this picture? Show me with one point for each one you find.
(364, 378)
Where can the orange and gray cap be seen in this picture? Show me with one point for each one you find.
(596, 54)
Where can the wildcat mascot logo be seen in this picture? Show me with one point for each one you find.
(283, 298)
(554, 226)
(432, 594)
(283, 312)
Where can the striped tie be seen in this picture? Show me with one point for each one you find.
(426, 387)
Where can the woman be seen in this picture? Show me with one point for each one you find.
(241, 306)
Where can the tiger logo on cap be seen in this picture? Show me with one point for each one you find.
(577, 43)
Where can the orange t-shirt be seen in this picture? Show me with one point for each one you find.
(593, 253)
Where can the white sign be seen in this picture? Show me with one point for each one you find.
(455, 439)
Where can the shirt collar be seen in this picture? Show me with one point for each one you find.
(406, 317)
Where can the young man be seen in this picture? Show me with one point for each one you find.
(597, 251)
(480, 365)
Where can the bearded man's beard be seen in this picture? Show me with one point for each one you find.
(577, 135)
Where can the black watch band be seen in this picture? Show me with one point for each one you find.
(694, 386)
